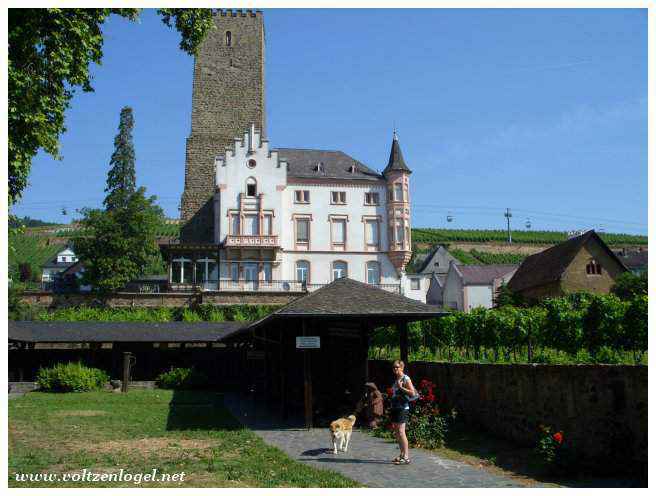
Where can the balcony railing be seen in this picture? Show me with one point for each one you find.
(251, 240)
(239, 285)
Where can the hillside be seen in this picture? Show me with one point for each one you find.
(39, 244)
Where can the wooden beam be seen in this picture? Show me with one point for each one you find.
(307, 380)
(402, 328)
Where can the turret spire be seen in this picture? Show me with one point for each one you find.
(396, 162)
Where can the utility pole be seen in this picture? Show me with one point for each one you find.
(508, 215)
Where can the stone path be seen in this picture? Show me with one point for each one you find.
(368, 458)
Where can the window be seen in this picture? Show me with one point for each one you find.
(338, 197)
(415, 284)
(373, 273)
(301, 196)
(398, 236)
(398, 192)
(234, 271)
(267, 272)
(340, 269)
(251, 225)
(251, 187)
(593, 268)
(371, 232)
(371, 198)
(181, 271)
(338, 232)
(302, 230)
(228, 38)
(267, 228)
(251, 164)
(302, 271)
(234, 225)
(205, 270)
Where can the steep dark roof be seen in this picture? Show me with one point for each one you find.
(634, 260)
(396, 161)
(427, 259)
(348, 298)
(549, 265)
(483, 274)
(107, 332)
(302, 163)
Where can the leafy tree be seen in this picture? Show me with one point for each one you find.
(504, 296)
(636, 326)
(50, 51)
(628, 286)
(25, 272)
(117, 244)
(122, 178)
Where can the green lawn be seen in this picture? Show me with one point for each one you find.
(105, 432)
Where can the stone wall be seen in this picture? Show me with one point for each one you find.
(602, 409)
(50, 300)
(228, 95)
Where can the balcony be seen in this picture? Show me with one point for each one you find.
(267, 241)
(243, 285)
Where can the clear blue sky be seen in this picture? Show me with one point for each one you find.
(542, 111)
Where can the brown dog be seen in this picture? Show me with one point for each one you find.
(340, 430)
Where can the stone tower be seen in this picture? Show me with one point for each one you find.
(397, 175)
(228, 96)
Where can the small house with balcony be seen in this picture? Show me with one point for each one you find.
(64, 259)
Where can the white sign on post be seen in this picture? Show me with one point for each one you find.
(307, 342)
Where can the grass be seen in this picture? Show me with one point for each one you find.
(144, 430)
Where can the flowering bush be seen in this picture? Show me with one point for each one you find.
(550, 448)
(427, 423)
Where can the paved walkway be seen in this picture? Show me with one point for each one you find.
(368, 458)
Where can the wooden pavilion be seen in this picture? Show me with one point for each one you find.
(310, 356)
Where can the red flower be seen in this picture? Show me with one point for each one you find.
(558, 437)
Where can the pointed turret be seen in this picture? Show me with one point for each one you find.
(396, 162)
(397, 176)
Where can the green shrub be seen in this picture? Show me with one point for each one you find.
(182, 378)
(71, 377)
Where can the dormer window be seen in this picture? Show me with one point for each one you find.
(320, 167)
(352, 169)
(228, 40)
(251, 187)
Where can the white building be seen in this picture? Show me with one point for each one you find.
(62, 261)
(293, 219)
(470, 286)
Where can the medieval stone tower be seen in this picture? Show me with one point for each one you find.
(228, 95)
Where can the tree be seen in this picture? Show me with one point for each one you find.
(628, 286)
(50, 51)
(121, 179)
(25, 272)
(117, 244)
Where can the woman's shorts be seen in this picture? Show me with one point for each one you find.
(398, 415)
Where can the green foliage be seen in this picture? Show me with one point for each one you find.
(579, 328)
(463, 256)
(487, 258)
(205, 313)
(628, 285)
(15, 222)
(32, 250)
(71, 377)
(122, 177)
(433, 236)
(50, 51)
(119, 243)
(182, 378)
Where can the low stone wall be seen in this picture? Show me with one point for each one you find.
(602, 409)
(53, 300)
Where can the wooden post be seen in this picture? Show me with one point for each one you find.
(307, 380)
(402, 328)
(126, 371)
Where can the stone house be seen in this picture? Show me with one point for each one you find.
(472, 286)
(582, 263)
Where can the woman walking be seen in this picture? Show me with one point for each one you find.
(402, 392)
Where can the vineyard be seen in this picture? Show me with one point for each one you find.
(32, 250)
(581, 328)
(433, 236)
